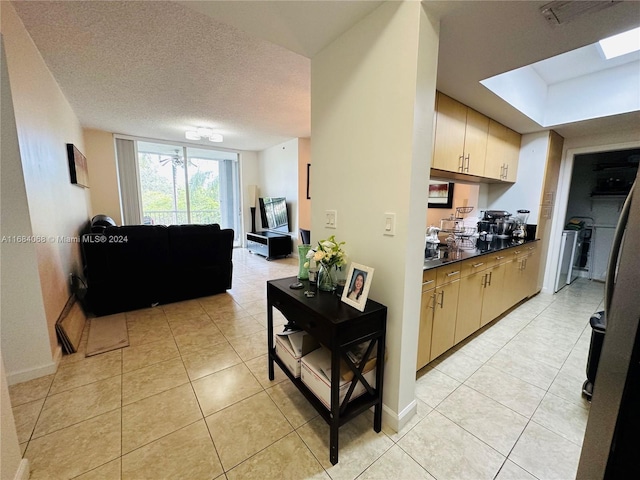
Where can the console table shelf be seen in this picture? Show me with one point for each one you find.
(269, 244)
(338, 327)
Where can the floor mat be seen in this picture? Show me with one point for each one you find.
(107, 333)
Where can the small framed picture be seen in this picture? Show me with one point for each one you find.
(356, 289)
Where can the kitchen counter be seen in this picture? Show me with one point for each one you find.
(472, 247)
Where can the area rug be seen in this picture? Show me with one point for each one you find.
(107, 333)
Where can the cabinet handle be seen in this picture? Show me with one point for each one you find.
(476, 265)
(441, 299)
(433, 302)
(499, 258)
(427, 282)
(453, 273)
(461, 163)
(502, 172)
(484, 281)
(466, 169)
(506, 171)
(489, 281)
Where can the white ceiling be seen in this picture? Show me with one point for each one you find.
(154, 69)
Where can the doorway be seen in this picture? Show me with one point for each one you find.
(598, 185)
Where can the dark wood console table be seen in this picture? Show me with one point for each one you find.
(269, 244)
(338, 327)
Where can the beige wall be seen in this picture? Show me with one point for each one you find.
(304, 204)
(45, 123)
(372, 118)
(278, 177)
(103, 174)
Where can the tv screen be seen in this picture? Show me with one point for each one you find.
(273, 213)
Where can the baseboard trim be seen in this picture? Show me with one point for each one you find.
(397, 421)
(37, 372)
(23, 472)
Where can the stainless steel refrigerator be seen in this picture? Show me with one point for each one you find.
(613, 428)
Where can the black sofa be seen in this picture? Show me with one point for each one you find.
(139, 266)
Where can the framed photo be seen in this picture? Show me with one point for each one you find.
(440, 194)
(356, 289)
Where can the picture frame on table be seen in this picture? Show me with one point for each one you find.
(356, 289)
(440, 194)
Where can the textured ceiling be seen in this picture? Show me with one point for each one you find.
(154, 69)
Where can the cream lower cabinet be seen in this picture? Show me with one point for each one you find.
(460, 298)
(470, 298)
(427, 309)
(445, 309)
(521, 274)
(492, 304)
(444, 318)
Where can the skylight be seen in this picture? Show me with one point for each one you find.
(574, 86)
(621, 44)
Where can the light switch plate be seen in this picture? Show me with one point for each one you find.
(331, 219)
(389, 224)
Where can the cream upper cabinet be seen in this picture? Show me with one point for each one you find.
(461, 137)
(469, 143)
(503, 150)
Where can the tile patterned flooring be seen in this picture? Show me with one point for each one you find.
(190, 399)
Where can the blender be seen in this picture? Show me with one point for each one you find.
(520, 220)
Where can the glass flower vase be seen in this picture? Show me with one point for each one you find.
(303, 272)
(327, 278)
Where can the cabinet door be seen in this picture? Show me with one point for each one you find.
(475, 143)
(469, 305)
(492, 297)
(511, 155)
(427, 308)
(444, 318)
(450, 130)
(532, 271)
(496, 147)
(513, 291)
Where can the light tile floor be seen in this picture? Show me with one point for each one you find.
(190, 399)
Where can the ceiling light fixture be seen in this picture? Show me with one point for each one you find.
(621, 44)
(203, 132)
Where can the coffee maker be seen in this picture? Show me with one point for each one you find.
(496, 222)
(520, 224)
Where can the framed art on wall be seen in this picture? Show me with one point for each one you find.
(77, 166)
(440, 194)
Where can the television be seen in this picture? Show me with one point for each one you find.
(274, 214)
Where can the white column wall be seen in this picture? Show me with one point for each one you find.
(372, 121)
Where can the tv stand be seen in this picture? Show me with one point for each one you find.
(269, 244)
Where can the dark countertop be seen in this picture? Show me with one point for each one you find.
(472, 247)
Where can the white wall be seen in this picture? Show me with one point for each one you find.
(525, 193)
(249, 175)
(372, 122)
(12, 466)
(278, 177)
(24, 337)
(45, 124)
